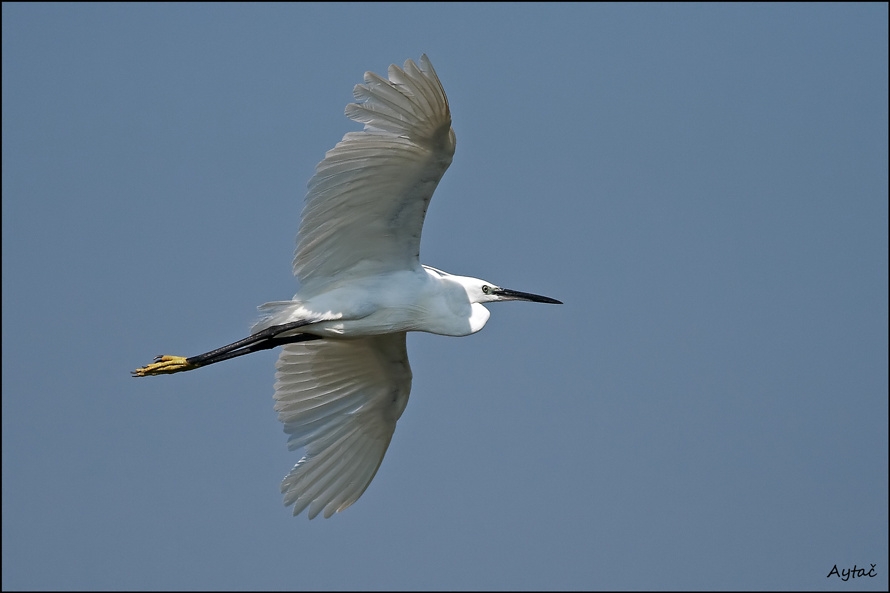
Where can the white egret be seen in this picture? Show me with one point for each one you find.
(343, 377)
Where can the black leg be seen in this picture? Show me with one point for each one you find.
(252, 343)
(265, 344)
(262, 340)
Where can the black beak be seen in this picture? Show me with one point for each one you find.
(515, 295)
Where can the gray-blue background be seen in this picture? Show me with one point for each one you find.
(704, 186)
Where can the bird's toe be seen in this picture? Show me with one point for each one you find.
(164, 365)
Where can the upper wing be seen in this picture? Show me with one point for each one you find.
(340, 399)
(366, 202)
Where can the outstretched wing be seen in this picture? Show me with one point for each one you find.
(367, 200)
(340, 399)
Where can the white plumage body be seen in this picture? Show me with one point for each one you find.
(427, 300)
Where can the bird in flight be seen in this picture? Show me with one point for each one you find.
(343, 377)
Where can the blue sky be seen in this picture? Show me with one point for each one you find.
(704, 186)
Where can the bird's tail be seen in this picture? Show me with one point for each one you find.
(276, 313)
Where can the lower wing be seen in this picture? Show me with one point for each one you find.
(340, 399)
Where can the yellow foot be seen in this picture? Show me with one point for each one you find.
(164, 365)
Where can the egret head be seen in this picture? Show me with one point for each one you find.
(482, 291)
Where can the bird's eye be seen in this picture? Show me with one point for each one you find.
(486, 288)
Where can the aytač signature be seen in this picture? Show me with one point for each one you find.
(854, 572)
